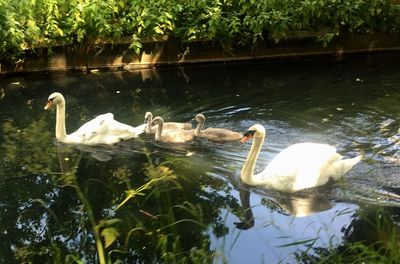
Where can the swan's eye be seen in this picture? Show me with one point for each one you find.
(249, 133)
(247, 136)
(51, 99)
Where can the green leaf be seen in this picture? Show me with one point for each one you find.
(158, 30)
(60, 32)
(108, 222)
(109, 234)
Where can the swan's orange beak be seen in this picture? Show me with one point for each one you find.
(48, 105)
(245, 139)
(247, 136)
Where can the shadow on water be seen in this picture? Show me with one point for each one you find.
(352, 104)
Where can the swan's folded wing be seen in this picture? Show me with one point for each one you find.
(90, 129)
(301, 163)
(139, 129)
(104, 129)
(97, 124)
(121, 130)
(309, 153)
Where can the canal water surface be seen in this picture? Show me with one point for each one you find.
(147, 201)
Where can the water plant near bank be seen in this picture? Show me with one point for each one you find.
(29, 24)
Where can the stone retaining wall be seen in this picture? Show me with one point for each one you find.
(168, 52)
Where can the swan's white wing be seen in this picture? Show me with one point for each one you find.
(104, 129)
(301, 155)
(301, 166)
(112, 131)
(124, 131)
(97, 124)
(90, 130)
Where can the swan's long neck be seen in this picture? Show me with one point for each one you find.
(159, 130)
(148, 126)
(61, 133)
(199, 127)
(248, 167)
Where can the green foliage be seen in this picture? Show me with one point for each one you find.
(379, 244)
(30, 140)
(28, 24)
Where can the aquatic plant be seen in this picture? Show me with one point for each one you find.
(372, 237)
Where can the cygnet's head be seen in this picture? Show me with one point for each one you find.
(255, 131)
(157, 120)
(200, 118)
(54, 99)
(148, 116)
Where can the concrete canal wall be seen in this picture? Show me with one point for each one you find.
(166, 52)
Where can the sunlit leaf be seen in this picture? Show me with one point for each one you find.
(158, 30)
(109, 235)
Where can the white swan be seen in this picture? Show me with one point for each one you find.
(214, 134)
(300, 166)
(148, 119)
(171, 135)
(101, 130)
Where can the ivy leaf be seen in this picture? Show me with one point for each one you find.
(109, 234)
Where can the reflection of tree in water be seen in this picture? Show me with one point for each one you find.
(26, 159)
(46, 215)
(26, 148)
(372, 237)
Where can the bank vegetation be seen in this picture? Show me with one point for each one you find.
(31, 24)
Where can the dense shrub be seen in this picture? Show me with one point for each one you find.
(26, 24)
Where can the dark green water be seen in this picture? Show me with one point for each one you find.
(351, 104)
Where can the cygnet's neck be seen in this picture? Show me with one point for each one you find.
(159, 130)
(149, 126)
(199, 127)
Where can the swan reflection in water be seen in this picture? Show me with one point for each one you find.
(105, 152)
(129, 147)
(62, 159)
(299, 204)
